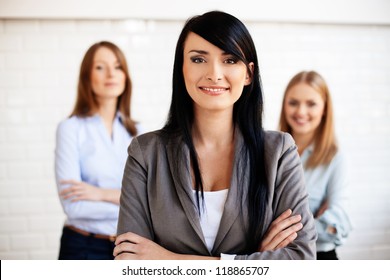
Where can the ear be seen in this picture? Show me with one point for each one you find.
(248, 78)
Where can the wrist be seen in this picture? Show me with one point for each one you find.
(102, 194)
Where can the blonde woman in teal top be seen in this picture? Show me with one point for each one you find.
(307, 114)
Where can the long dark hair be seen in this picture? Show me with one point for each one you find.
(229, 34)
(87, 103)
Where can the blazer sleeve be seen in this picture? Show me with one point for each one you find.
(134, 214)
(287, 191)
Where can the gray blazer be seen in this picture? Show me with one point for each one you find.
(161, 207)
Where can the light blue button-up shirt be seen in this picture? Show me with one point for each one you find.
(330, 182)
(86, 152)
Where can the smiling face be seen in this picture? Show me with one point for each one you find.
(107, 77)
(214, 79)
(304, 109)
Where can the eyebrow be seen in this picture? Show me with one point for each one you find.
(198, 51)
(103, 61)
(205, 52)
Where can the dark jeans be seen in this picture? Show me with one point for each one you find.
(330, 255)
(75, 246)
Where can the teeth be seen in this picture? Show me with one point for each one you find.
(300, 121)
(214, 89)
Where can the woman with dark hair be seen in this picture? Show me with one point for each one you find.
(90, 154)
(212, 183)
(307, 114)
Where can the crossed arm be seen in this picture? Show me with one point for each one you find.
(79, 190)
(130, 246)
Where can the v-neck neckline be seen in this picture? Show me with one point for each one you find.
(110, 139)
(187, 199)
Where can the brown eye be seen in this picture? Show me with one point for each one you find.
(292, 103)
(197, 60)
(231, 61)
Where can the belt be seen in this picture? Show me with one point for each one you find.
(88, 234)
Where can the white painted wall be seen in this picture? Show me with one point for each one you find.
(39, 62)
(340, 11)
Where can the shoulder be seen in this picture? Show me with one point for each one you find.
(338, 161)
(152, 142)
(339, 156)
(280, 151)
(68, 131)
(151, 138)
(76, 122)
(152, 147)
(69, 124)
(276, 141)
(74, 127)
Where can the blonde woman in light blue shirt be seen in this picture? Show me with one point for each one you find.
(307, 114)
(90, 154)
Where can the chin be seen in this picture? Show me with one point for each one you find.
(303, 131)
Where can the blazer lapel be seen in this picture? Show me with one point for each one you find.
(233, 203)
(177, 151)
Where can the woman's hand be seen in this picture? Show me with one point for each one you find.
(324, 206)
(131, 246)
(81, 191)
(281, 232)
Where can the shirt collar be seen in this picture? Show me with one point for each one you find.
(118, 116)
(307, 153)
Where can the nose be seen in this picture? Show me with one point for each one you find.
(214, 72)
(301, 110)
(110, 71)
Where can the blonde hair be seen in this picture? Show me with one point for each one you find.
(325, 144)
(86, 102)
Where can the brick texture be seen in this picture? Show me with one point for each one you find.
(39, 63)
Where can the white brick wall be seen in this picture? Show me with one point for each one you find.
(39, 63)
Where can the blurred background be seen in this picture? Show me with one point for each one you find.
(42, 43)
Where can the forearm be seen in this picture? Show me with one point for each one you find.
(92, 210)
(111, 195)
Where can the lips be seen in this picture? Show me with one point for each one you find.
(214, 90)
(300, 121)
(110, 84)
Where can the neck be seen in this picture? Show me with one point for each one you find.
(303, 141)
(213, 128)
(107, 110)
